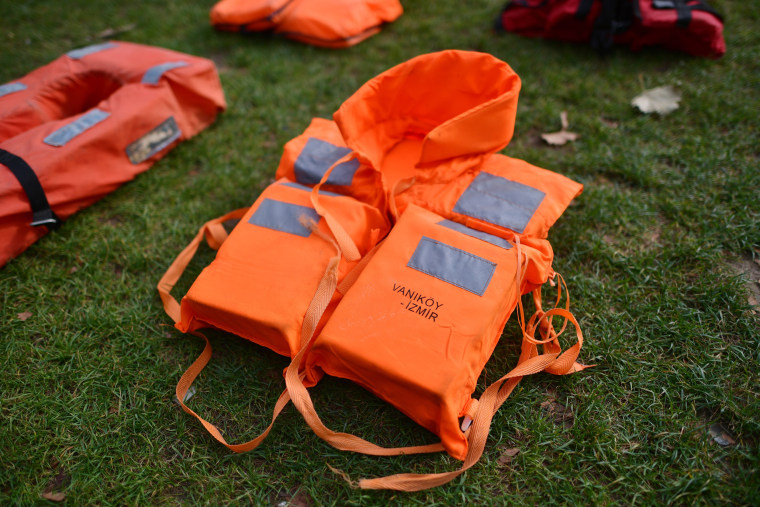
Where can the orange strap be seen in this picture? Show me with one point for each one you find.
(347, 245)
(493, 397)
(343, 441)
(215, 235)
(187, 380)
(294, 379)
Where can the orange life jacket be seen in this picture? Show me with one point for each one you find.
(413, 315)
(74, 130)
(326, 23)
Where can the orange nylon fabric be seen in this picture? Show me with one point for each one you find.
(326, 23)
(116, 105)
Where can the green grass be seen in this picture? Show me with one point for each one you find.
(654, 253)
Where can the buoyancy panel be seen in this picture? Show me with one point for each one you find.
(76, 129)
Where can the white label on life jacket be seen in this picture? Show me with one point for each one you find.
(154, 141)
(68, 132)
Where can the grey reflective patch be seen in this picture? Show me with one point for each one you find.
(317, 157)
(500, 201)
(489, 238)
(283, 216)
(78, 54)
(308, 189)
(68, 132)
(154, 141)
(452, 265)
(153, 74)
(9, 88)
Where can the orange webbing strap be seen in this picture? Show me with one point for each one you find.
(187, 380)
(343, 441)
(300, 395)
(542, 321)
(347, 245)
(215, 235)
(357, 270)
(493, 397)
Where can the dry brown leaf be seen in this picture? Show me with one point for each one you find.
(721, 436)
(54, 497)
(112, 32)
(663, 100)
(507, 455)
(24, 315)
(561, 137)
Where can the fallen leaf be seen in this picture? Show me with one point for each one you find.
(54, 497)
(662, 100)
(24, 315)
(559, 413)
(721, 435)
(111, 32)
(507, 455)
(609, 123)
(561, 137)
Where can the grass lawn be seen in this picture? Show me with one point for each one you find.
(661, 254)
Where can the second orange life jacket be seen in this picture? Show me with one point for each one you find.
(326, 23)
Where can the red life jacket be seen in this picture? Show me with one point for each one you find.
(691, 26)
(76, 129)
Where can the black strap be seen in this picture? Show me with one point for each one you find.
(584, 7)
(683, 13)
(41, 212)
(684, 9)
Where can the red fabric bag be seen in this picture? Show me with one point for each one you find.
(690, 26)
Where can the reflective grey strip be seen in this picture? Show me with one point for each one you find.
(78, 54)
(153, 74)
(452, 265)
(283, 216)
(68, 132)
(11, 87)
(317, 157)
(500, 201)
(308, 189)
(489, 238)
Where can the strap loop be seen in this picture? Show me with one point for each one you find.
(42, 214)
(215, 235)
